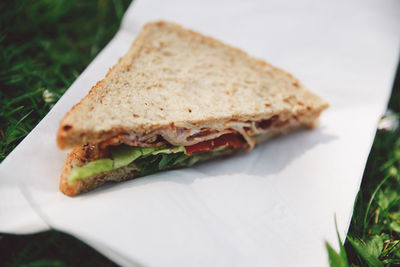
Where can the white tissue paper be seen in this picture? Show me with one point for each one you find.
(274, 206)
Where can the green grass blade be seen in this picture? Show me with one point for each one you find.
(335, 259)
(368, 251)
(365, 224)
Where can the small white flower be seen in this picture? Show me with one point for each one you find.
(389, 121)
(48, 96)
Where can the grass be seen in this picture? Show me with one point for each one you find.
(374, 235)
(45, 44)
(49, 248)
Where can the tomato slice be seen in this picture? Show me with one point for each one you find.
(230, 140)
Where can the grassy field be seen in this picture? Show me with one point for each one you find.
(45, 45)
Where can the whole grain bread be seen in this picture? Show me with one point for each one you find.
(173, 77)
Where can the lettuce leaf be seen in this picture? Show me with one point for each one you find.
(123, 155)
(91, 168)
(148, 159)
(161, 161)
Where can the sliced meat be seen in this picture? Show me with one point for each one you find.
(198, 137)
(187, 137)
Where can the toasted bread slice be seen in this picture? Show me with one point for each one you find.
(173, 79)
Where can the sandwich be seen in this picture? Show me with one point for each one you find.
(175, 99)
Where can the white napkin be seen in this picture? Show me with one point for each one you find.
(274, 206)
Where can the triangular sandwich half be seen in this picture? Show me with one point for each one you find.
(177, 97)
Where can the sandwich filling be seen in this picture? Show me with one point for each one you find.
(163, 149)
(152, 159)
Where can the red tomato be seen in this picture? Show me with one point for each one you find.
(227, 140)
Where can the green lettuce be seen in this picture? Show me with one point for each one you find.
(148, 159)
(91, 168)
(123, 155)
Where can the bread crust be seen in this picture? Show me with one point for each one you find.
(244, 89)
